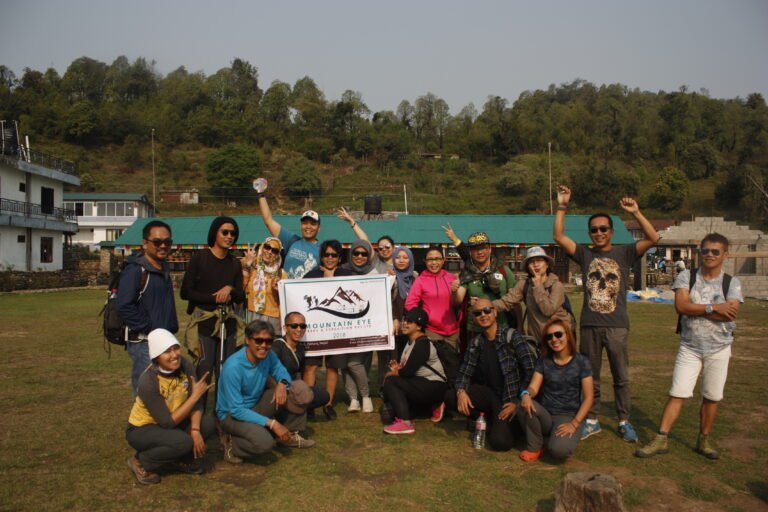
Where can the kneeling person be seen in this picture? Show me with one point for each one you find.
(253, 416)
(166, 426)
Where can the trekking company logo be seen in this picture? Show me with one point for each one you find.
(343, 303)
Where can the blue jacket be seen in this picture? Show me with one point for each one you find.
(157, 307)
(242, 383)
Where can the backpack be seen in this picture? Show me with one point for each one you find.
(566, 306)
(510, 315)
(114, 328)
(449, 358)
(532, 342)
(726, 285)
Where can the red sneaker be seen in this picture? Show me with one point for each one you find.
(437, 412)
(528, 456)
(400, 427)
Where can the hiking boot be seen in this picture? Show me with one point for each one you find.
(311, 416)
(142, 475)
(190, 468)
(330, 412)
(704, 447)
(354, 405)
(400, 427)
(627, 432)
(226, 445)
(529, 456)
(367, 404)
(590, 429)
(658, 446)
(437, 412)
(296, 441)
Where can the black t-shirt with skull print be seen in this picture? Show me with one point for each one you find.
(605, 276)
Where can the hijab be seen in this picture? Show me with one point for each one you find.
(364, 269)
(404, 277)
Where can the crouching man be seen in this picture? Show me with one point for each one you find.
(253, 416)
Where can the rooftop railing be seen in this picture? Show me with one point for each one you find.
(15, 153)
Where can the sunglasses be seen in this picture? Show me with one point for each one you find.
(228, 232)
(556, 334)
(602, 229)
(360, 253)
(707, 250)
(487, 310)
(385, 247)
(297, 326)
(330, 255)
(159, 242)
(261, 341)
(273, 250)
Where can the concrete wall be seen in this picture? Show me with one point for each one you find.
(13, 254)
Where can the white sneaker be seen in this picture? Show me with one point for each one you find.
(367, 404)
(354, 405)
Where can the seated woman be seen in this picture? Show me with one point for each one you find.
(261, 273)
(290, 350)
(166, 425)
(418, 379)
(563, 382)
(541, 291)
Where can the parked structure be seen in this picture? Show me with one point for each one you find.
(104, 217)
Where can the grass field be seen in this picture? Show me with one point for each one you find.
(65, 407)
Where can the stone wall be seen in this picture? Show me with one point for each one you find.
(13, 281)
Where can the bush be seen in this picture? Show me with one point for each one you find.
(670, 190)
(300, 177)
(231, 169)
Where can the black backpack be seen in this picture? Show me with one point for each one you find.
(726, 285)
(449, 358)
(114, 328)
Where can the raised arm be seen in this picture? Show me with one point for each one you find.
(563, 198)
(651, 236)
(345, 216)
(266, 215)
(461, 249)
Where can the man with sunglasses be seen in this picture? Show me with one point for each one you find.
(604, 319)
(301, 252)
(497, 368)
(708, 306)
(145, 295)
(254, 416)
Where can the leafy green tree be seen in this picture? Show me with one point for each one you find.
(300, 177)
(699, 160)
(231, 169)
(670, 191)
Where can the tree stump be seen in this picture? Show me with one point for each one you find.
(589, 492)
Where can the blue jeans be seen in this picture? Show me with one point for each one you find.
(139, 352)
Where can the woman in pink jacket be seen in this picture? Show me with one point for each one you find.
(432, 292)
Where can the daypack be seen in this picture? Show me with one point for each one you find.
(566, 306)
(449, 358)
(532, 342)
(726, 285)
(114, 328)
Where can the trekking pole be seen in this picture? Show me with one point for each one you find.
(222, 338)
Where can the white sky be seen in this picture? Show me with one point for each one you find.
(394, 50)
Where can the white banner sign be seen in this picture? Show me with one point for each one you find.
(343, 314)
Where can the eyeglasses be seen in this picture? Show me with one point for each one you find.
(707, 250)
(261, 341)
(273, 250)
(330, 255)
(487, 310)
(157, 242)
(602, 229)
(360, 253)
(297, 326)
(430, 260)
(228, 232)
(556, 334)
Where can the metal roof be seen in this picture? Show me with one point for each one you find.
(410, 230)
(97, 196)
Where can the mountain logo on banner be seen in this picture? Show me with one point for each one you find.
(343, 303)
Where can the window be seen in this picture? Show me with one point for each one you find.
(130, 211)
(22, 187)
(110, 209)
(101, 209)
(21, 239)
(113, 234)
(87, 209)
(120, 209)
(46, 249)
(46, 200)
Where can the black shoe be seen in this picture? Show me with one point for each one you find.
(190, 468)
(311, 416)
(330, 412)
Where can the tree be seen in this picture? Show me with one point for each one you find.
(670, 190)
(231, 169)
(300, 177)
(699, 160)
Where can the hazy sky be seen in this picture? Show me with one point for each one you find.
(393, 50)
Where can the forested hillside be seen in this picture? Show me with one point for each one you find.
(680, 152)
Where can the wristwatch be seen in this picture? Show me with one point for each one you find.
(709, 309)
(286, 384)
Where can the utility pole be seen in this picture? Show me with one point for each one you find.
(154, 186)
(549, 148)
(405, 198)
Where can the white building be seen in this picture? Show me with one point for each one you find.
(33, 223)
(104, 217)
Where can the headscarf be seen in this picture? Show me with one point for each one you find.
(261, 274)
(404, 277)
(365, 269)
(216, 224)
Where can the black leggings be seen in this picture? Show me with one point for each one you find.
(404, 392)
(157, 446)
(501, 434)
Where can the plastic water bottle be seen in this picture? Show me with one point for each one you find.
(478, 439)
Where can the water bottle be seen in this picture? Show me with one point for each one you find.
(478, 439)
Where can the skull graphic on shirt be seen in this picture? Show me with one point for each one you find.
(604, 285)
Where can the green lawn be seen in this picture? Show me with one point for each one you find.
(65, 404)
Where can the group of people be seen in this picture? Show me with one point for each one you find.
(480, 343)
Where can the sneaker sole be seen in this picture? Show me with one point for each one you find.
(648, 455)
(406, 432)
(590, 434)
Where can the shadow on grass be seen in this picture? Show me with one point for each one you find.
(759, 490)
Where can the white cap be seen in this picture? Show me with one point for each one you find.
(310, 214)
(159, 341)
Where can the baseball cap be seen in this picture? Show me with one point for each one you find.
(478, 238)
(417, 316)
(311, 214)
